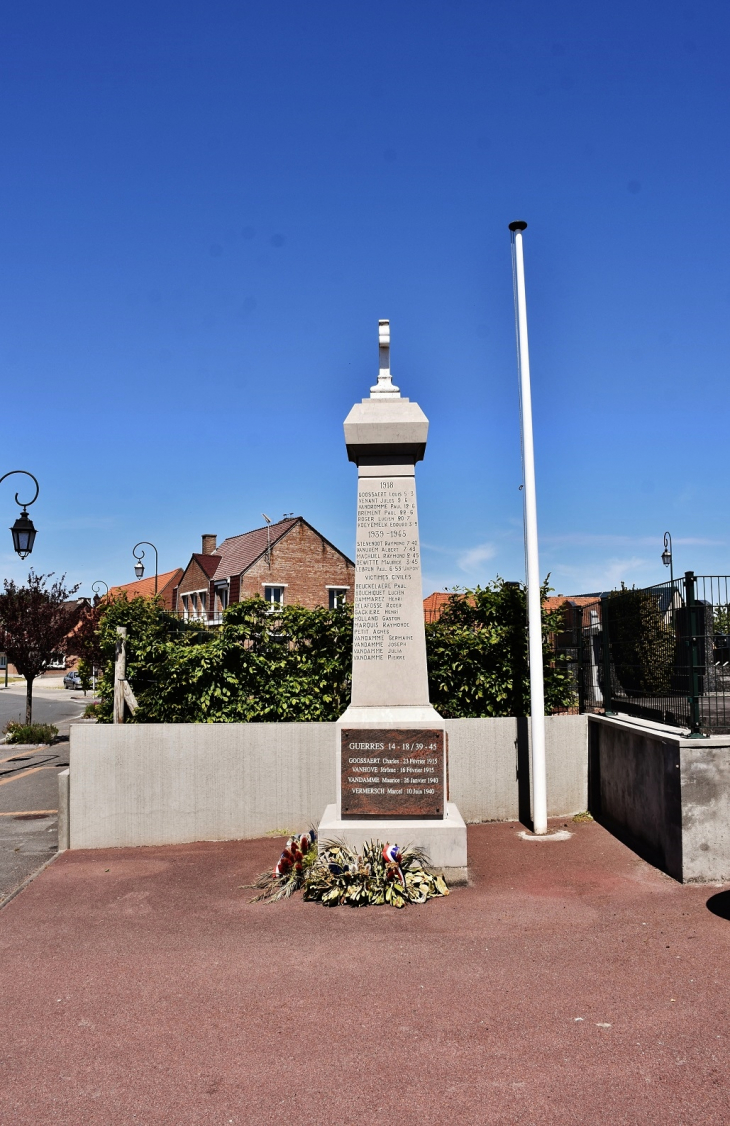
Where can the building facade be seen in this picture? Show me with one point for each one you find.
(287, 563)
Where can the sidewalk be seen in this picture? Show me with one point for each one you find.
(571, 984)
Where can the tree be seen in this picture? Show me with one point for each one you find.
(87, 642)
(643, 643)
(35, 622)
(477, 655)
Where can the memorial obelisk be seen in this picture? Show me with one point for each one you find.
(391, 754)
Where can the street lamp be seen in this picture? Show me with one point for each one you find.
(667, 556)
(139, 565)
(95, 587)
(22, 531)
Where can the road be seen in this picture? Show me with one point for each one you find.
(52, 703)
(28, 781)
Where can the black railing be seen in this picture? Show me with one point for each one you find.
(660, 653)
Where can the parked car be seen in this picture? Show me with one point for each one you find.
(72, 680)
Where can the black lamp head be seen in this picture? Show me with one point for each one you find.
(24, 534)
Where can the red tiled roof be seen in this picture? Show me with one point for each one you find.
(434, 604)
(555, 601)
(236, 554)
(208, 563)
(145, 588)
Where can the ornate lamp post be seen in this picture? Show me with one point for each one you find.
(139, 565)
(667, 556)
(22, 530)
(95, 587)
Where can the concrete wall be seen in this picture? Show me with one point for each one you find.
(665, 796)
(172, 783)
(489, 772)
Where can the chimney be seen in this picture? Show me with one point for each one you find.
(208, 544)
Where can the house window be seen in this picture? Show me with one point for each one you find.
(338, 597)
(274, 595)
(222, 592)
(57, 661)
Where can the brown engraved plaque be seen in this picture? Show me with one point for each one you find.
(386, 773)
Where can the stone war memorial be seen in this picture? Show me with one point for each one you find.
(392, 750)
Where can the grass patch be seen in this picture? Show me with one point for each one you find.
(581, 817)
(30, 732)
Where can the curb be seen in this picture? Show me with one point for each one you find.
(29, 880)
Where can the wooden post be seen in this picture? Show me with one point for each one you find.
(129, 697)
(120, 673)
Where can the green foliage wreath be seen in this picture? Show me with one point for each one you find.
(335, 874)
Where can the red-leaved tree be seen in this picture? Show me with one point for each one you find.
(86, 641)
(35, 623)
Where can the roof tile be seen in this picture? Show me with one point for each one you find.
(145, 588)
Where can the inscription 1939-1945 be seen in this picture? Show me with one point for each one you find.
(386, 773)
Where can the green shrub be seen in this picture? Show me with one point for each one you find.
(642, 642)
(477, 655)
(30, 732)
(259, 667)
(295, 665)
(85, 671)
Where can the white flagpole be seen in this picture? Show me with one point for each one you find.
(534, 615)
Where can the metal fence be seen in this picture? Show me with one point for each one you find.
(660, 653)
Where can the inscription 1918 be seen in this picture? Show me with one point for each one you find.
(387, 773)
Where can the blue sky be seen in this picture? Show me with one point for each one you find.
(205, 208)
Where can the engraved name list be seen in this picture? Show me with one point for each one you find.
(387, 562)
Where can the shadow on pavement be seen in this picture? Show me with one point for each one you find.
(720, 904)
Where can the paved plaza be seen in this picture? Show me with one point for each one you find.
(570, 983)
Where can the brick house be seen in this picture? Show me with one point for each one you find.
(288, 563)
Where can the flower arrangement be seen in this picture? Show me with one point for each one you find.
(338, 874)
(298, 857)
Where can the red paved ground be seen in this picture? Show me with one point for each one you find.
(139, 986)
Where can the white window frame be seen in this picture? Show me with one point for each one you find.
(195, 604)
(332, 587)
(274, 586)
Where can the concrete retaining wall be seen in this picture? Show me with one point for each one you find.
(173, 783)
(665, 796)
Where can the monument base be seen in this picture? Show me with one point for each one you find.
(443, 840)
